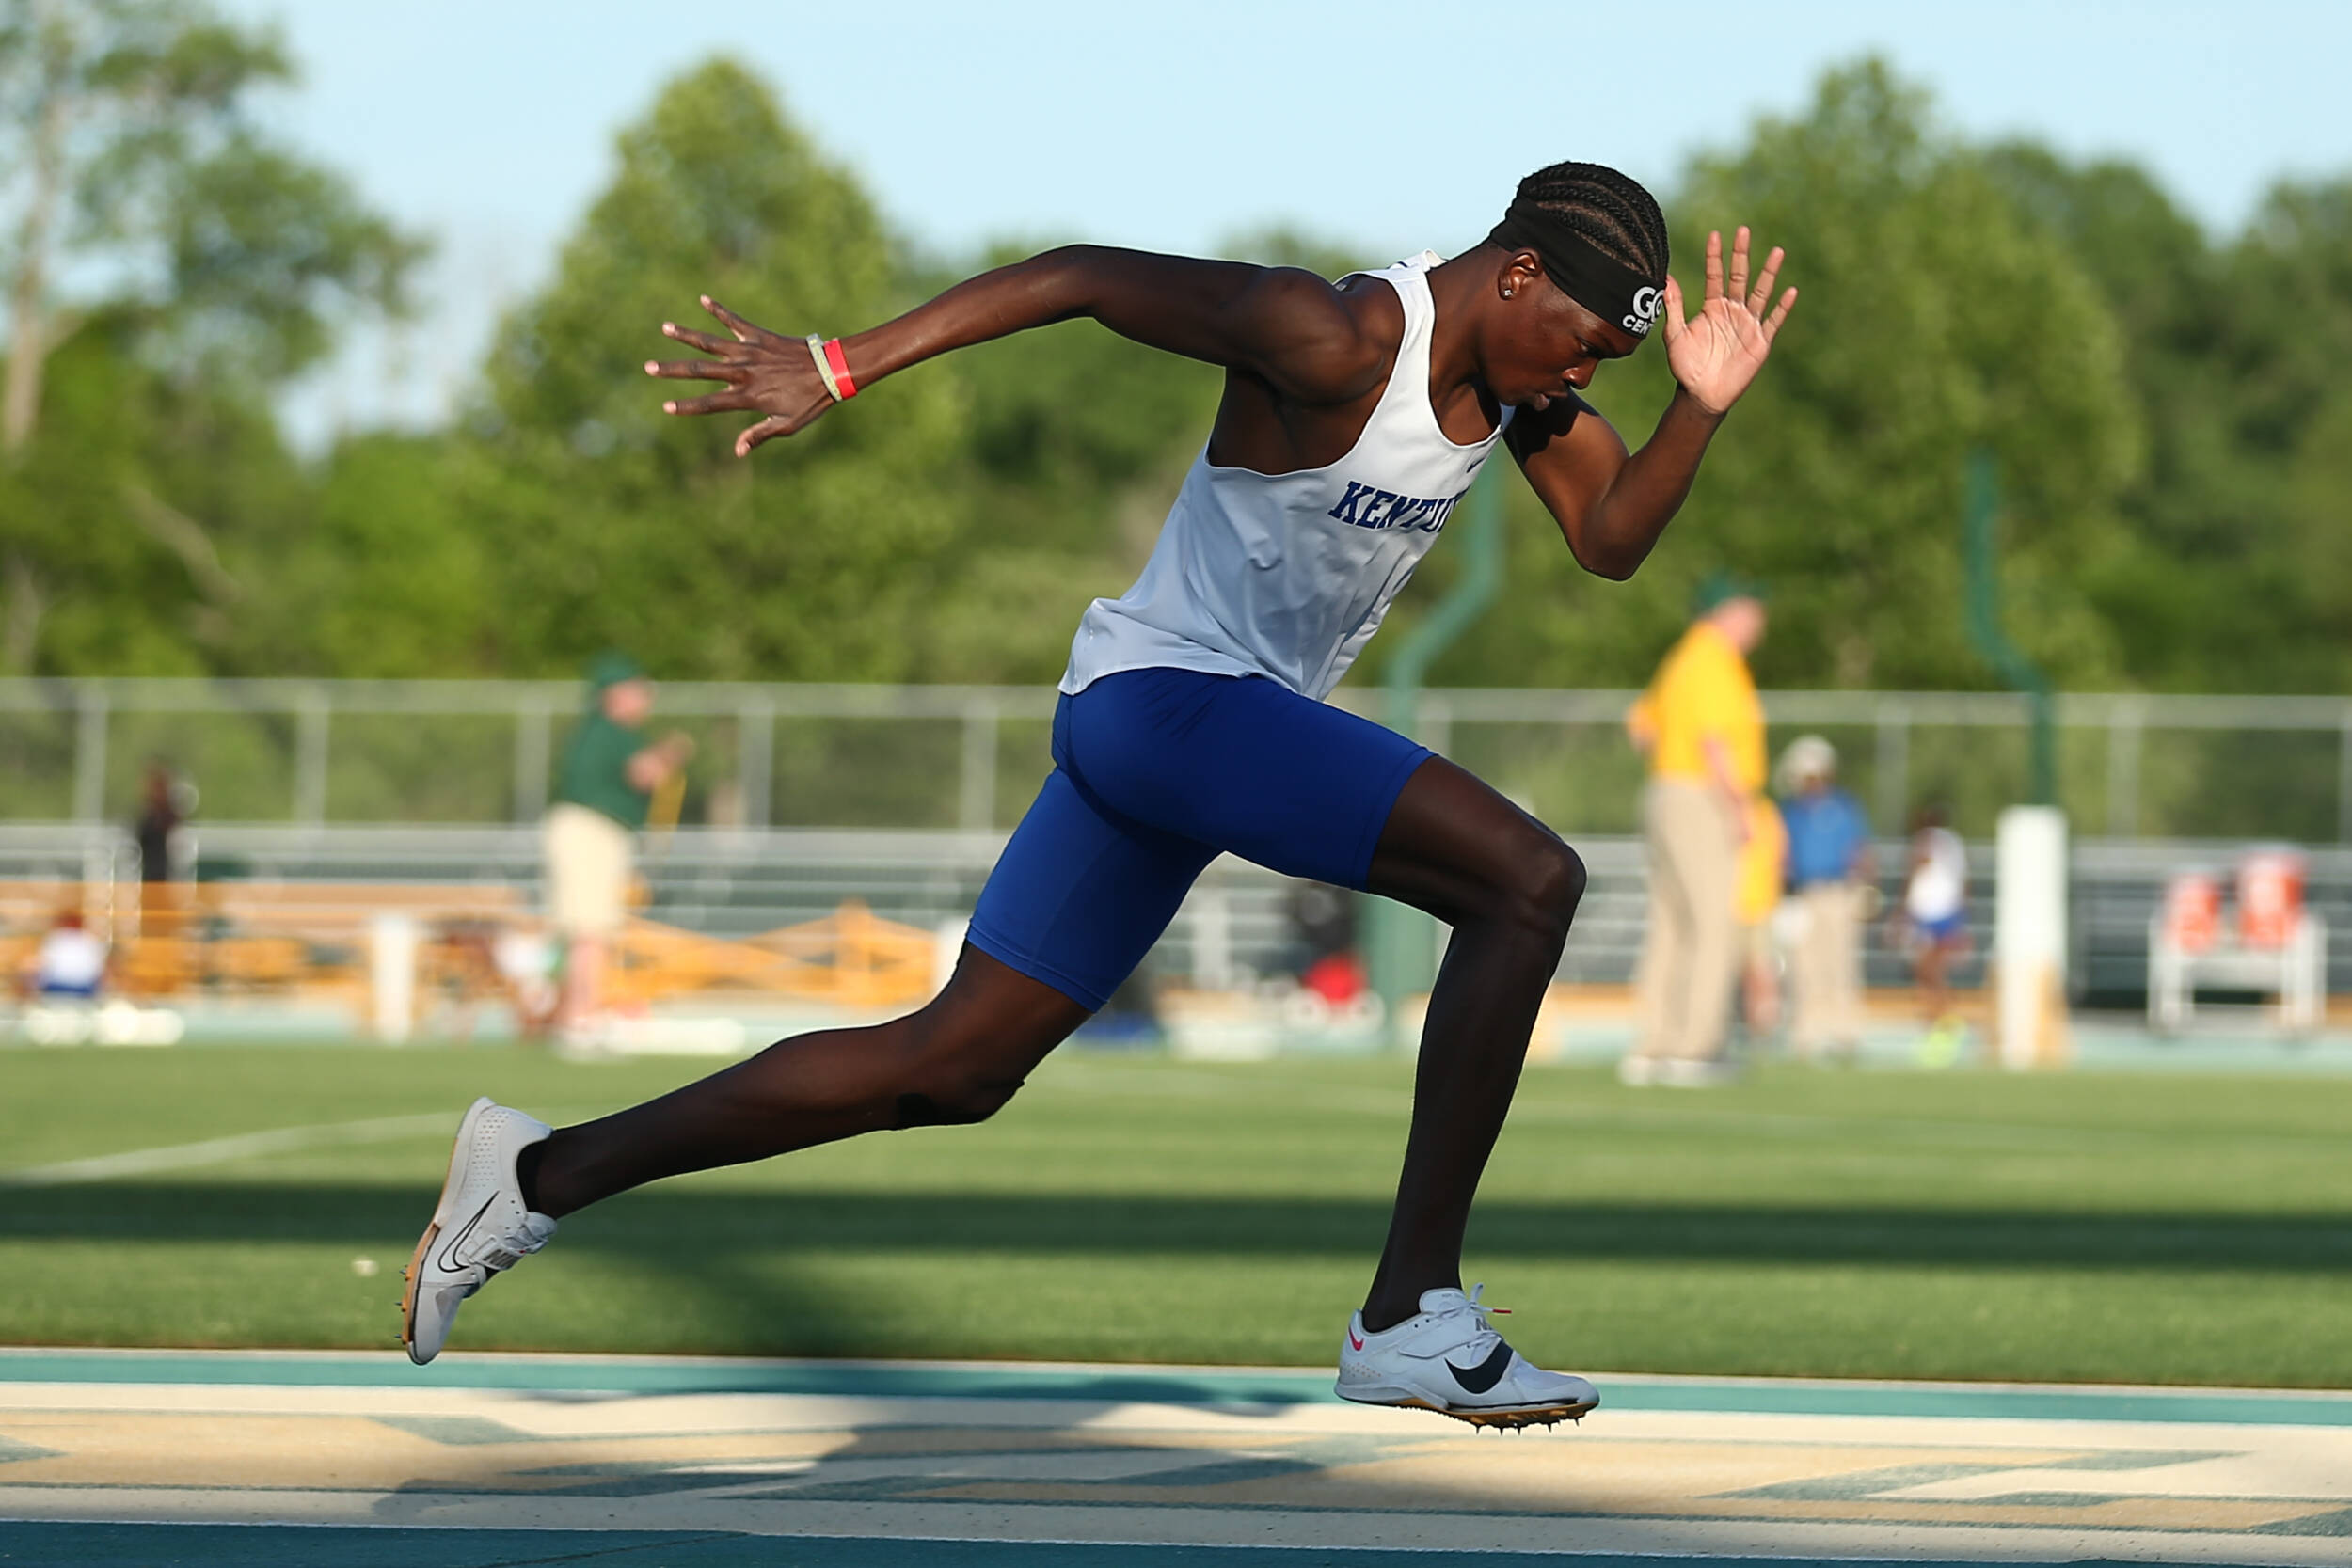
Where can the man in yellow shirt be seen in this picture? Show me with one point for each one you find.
(1702, 727)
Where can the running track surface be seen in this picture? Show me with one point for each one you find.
(209, 1460)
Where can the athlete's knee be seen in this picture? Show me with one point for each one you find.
(1545, 885)
(951, 1077)
(956, 1094)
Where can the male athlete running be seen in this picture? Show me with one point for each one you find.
(1192, 720)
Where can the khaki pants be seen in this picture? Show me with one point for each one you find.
(1691, 952)
(588, 864)
(1829, 968)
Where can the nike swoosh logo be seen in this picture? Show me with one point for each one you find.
(1353, 1343)
(1479, 1379)
(449, 1263)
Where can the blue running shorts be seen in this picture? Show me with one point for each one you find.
(1944, 928)
(1154, 773)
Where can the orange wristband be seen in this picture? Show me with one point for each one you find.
(840, 365)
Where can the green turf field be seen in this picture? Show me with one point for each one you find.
(2160, 1229)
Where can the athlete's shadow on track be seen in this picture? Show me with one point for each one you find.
(691, 1267)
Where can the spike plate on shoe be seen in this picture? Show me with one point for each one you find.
(1515, 1420)
(1506, 1420)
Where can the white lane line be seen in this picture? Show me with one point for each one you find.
(214, 1151)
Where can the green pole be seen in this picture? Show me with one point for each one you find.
(1981, 509)
(1400, 952)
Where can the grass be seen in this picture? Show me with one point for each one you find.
(2094, 1228)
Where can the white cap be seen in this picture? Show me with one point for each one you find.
(1809, 756)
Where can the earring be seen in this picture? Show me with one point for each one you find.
(1506, 294)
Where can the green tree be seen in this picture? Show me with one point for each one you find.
(382, 573)
(1933, 320)
(2233, 578)
(2288, 370)
(2164, 284)
(139, 503)
(613, 523)
(130, 125)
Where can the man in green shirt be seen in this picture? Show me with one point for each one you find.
(602, 791)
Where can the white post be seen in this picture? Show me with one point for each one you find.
(2123, 735)
(1892, 784)
(2029, 937)
(392, 942)
(311, 719)
(757, 742)
(976, 807)
(533, 725)
(1212, 940)
(89, 754)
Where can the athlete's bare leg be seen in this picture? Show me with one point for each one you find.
(958, 1059)
(1509, 888)
(1452, 847)
(1933, 970)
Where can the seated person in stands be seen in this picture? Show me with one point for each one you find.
(70, 963)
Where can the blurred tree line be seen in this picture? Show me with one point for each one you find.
(2173, 415)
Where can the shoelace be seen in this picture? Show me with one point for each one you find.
(1483, 1343)
(499, 1253)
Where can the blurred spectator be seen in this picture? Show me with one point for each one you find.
(1936, 907)
(1763, 864)
(603, 789)
(164, 804)
(1703, 728)
(70, 963)
(525, 964)
(1829, 878)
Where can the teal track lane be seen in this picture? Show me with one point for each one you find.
(58, 1545)
(1204, 1387)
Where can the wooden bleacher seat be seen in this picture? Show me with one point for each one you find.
(268, 938)
(851, 959)
(245, 938)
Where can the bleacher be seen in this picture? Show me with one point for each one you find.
(264, 886)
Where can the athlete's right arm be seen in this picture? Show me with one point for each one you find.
(1289, 328)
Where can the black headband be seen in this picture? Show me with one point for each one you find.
(1606, 286)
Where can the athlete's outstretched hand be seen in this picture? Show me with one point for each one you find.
(765, 374)
(1718, 352)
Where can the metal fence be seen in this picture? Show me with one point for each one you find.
(317, 753)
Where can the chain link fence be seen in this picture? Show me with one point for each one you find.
(352, 752)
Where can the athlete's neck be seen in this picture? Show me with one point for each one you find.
(1458, 292)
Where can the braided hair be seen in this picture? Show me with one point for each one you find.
(1610, 209)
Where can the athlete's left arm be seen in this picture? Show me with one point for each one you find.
(1612, 505)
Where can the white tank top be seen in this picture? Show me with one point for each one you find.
(1939, 884)
(1289, 575)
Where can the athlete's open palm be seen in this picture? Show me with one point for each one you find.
(765, 373)
(1718, 351)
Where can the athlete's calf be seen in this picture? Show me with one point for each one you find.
(957, 1060)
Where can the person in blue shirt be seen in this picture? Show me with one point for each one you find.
(1830, 874)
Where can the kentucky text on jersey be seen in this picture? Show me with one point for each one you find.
(1366, 507)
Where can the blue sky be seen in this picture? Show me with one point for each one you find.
(489, 124)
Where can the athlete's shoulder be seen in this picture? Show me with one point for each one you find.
(1325, 340)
